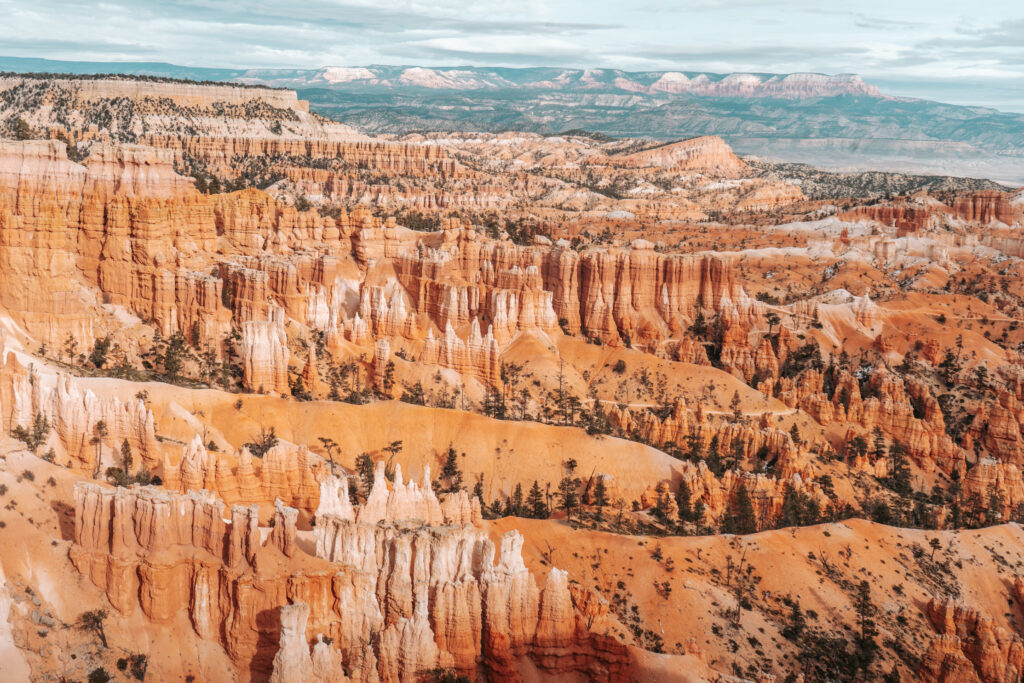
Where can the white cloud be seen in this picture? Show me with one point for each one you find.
(892, 41)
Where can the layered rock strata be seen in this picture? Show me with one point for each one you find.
(394, 596)
(74, 416)
(970, 647)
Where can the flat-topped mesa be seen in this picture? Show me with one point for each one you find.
(179, 92)
(906, 218)
(253, 222)
(134, 171)
(41, 198)
(987, 207)
(137, 171)
(795, 85)
(393, 598)
(128, 224)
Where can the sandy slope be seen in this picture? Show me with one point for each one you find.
(977, 567)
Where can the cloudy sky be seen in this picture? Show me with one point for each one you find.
(967, 53)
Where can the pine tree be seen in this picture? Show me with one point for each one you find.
(796, 625)
(699, 327)
(899, 480)
(683, 502)
(696, 448)
(893, 676)
(734, 406)
(329, 445)
(516, 505)
(994, 509)
(949, 368)
(567, 494)
(714, 459)
(880, 450)
(535, 505)
(665, 509)
(698, 513)
(365, 467)
(494, 404)
(741, 518)
(790, 515)
(451, 475)
(36, 435)
(126, 457)
(99, 433)
(600, 493)
(794, 433)
(865, 609)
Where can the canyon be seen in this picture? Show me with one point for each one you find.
(329, 406)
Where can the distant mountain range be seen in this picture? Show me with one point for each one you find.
(545, 79)
(657, 83)
(836, 121)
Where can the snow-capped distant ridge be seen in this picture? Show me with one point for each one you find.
(753, 85)
(451, 79)
(652, 83)
(347, 74)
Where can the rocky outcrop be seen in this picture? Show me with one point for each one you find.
(126, 224)
(717, 494)
(970, 647)
(608, 294)
(403, 501)
(990, 481)
(906, 218)
(265, 355)
(945, 662)
(283, 473)
(478, 356)
(293, 662)
(709, 155)
(999, 427)
(310, 377)
(695, 431)
(985, 207)
(188, 94)
(391, 598)
(123, 222)
(254, 223)
(380, 156)
(74, 416)
(903, 409)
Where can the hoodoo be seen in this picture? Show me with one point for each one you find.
(282, 400)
